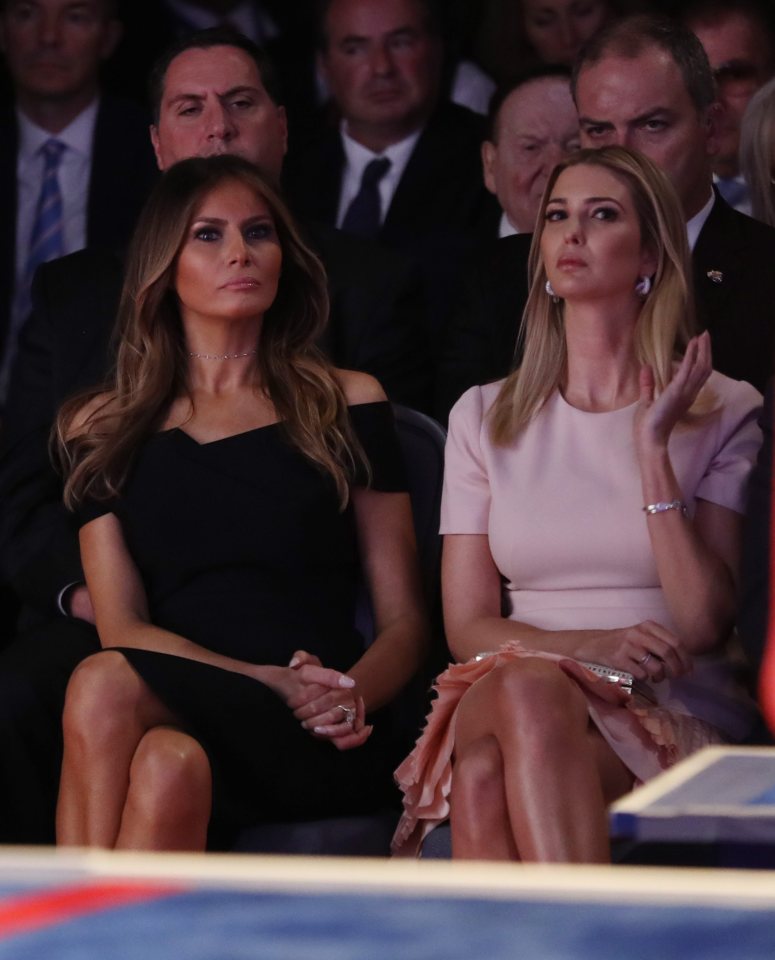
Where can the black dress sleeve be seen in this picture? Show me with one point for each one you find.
(375, 427)
(91, 509)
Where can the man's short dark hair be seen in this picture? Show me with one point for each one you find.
(542, 71)
(430, 9)
(629, 37)
(204, 40)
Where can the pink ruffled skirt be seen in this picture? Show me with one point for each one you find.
(647, 738)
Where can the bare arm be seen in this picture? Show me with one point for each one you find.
(121, 612)
(388, 556)
(471, 590)
(697, 559)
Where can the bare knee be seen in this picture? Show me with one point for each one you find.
(101, 691)
(533, 701)
(477, 776)
(170, 777)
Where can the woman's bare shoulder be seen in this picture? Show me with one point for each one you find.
(359, 387)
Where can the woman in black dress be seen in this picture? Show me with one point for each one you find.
(231, 487)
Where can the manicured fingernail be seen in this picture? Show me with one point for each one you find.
(294, 662)
(319, 729)
(346, 682)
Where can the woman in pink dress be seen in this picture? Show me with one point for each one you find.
(592, 509)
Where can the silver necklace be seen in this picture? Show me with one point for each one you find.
(222, 356)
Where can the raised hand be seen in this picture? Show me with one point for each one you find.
(656, 417)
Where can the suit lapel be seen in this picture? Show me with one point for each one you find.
(9, 143)
(715, 262)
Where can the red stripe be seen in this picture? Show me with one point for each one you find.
(767, 672)
(27, 912)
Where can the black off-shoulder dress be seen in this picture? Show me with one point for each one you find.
(243, 548)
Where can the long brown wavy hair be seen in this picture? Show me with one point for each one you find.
(666, 320)
(96, 438)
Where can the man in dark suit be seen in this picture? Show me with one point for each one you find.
(105, 167)
(212, 96)
(382, 62)
(645, 83)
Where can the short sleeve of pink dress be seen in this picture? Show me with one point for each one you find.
(562, 508)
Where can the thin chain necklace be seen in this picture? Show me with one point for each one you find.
(222, 356)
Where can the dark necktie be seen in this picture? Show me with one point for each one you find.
(363, 214)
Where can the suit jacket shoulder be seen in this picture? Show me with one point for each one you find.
(63, 348)
(123, 172)
(375, 320)
(442, 186)
(481, 344)
(734, 284)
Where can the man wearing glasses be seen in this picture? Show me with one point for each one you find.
(738, 38)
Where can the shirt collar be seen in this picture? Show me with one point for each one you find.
(76, 136)
(697, 222)
(506, 228)
(359, 156)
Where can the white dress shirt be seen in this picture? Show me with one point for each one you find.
(357, 157)
(506, 228)
(74, 175)
(697, 222)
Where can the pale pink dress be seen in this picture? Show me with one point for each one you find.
(562, 507)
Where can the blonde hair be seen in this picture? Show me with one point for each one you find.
(96, 438)
(757, 147)
(666, 318)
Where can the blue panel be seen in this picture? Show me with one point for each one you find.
(238, 926)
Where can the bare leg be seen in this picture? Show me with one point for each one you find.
(481, 828)
(108, 710)
(170, 794)
(554, 768)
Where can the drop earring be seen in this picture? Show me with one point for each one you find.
(550, 290)
(643, 287)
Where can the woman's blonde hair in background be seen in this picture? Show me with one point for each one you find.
(757, 152)
(151, 367)
(666, 319)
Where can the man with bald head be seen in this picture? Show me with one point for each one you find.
(645, 83)
(533, 125)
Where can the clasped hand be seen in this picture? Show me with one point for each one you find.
(326, 702)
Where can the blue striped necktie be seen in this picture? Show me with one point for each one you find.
(47, 237)
(46, 243)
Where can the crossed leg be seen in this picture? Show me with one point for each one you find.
(531, 775)
(130, 778)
